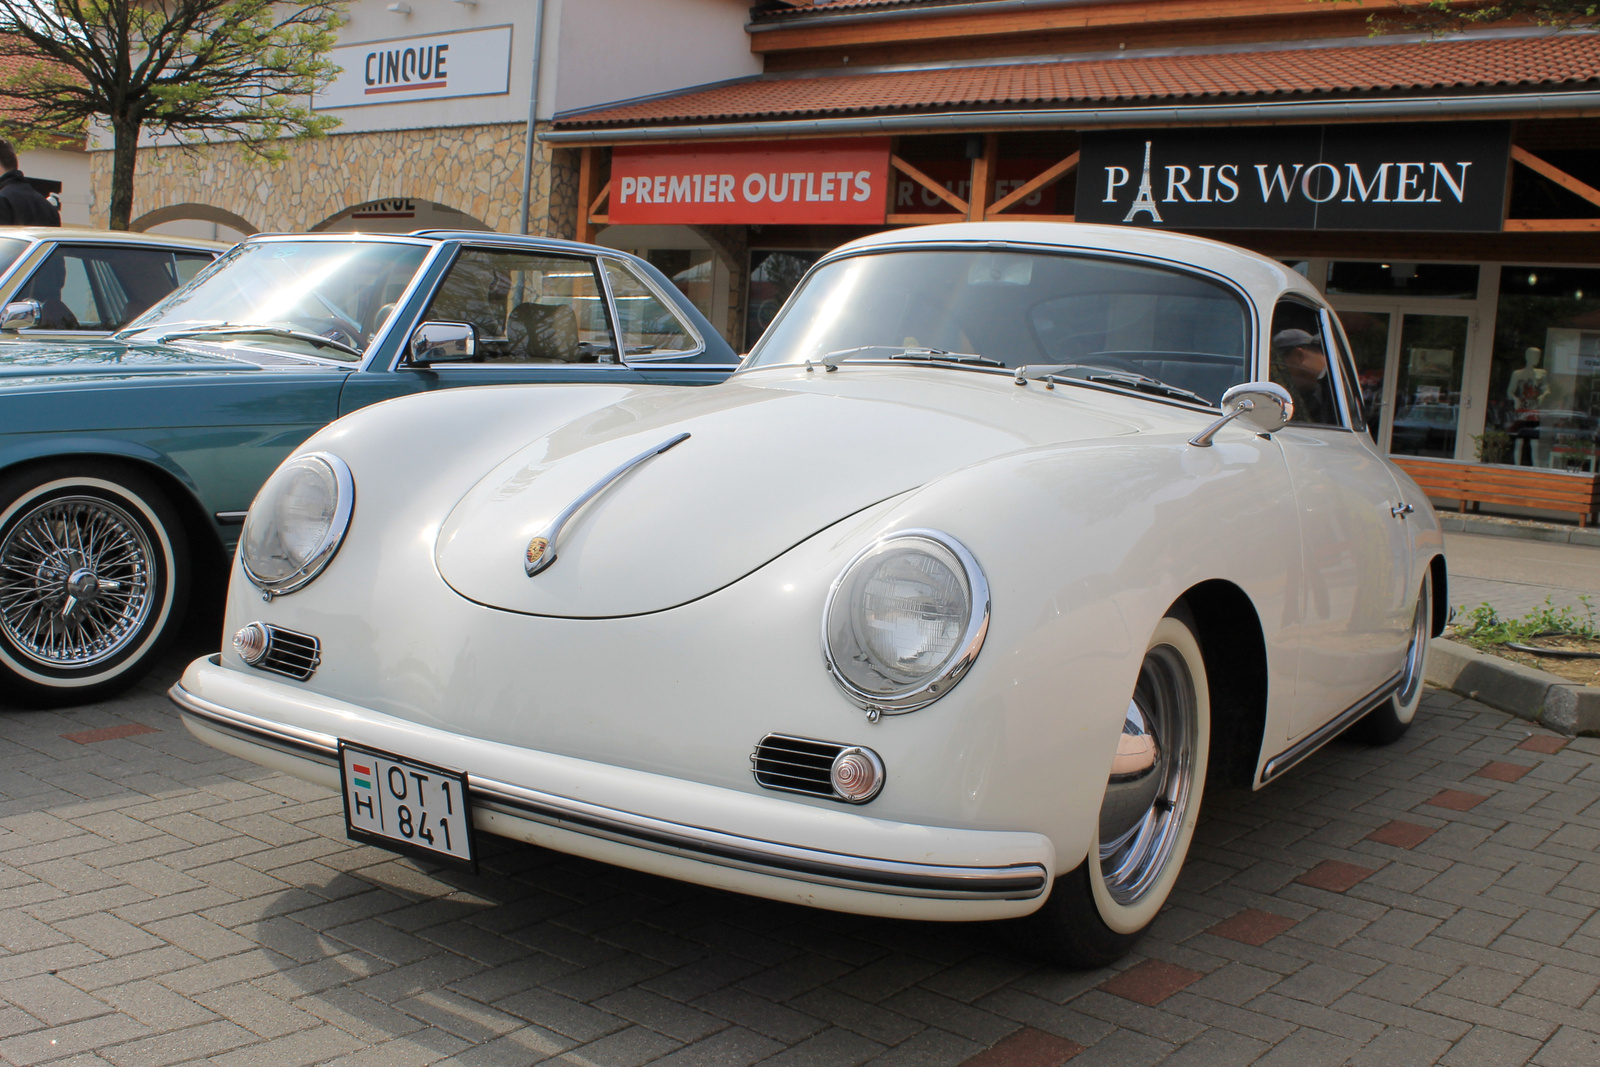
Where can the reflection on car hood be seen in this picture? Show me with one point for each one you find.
(101, 359)
(771, 459)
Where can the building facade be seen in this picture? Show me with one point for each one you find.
(1441, 192)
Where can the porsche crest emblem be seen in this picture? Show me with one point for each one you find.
(536, 550)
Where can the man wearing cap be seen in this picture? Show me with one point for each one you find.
(1300, 365)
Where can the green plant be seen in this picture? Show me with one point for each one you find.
(1493, 446)
(1483, 625)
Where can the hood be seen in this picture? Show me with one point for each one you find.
(36, 360)
(769, 461)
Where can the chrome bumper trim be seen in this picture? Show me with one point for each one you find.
(795, 862)
(1328, 731)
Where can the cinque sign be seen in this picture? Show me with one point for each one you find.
(1413, 176)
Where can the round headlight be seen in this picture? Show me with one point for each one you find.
(905, 620)
(296, 522)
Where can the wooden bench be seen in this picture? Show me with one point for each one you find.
(1524, 487)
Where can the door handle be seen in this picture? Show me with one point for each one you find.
(1400, 511)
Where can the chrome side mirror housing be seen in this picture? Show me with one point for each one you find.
(1262, 406)
(21, 315)
(441, 342)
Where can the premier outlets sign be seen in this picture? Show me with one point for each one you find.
(839, 182)
(432, 67)
(1413, 176)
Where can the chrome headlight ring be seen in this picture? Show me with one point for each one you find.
(849, 660)
(264, 509)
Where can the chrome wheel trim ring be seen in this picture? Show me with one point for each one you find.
(76, 581)
(1411, 678)
(1165, 696)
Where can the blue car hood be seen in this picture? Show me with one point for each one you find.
(22, 362)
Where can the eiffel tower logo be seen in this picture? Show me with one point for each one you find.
(1144, 201)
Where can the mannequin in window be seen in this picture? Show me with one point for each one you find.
(1527, 390)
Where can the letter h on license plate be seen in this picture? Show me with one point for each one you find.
(406, 806)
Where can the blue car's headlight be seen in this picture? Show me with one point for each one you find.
(296, 523)
(905, 620)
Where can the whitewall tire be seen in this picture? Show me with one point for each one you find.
(94, 578)
(1389, 721)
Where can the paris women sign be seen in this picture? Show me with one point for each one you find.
(1412, 176)
(841, 182)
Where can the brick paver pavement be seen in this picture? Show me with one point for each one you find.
(161, 903)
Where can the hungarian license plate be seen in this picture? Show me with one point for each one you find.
(405, 805)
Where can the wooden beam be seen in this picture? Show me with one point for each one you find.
(1034, 184)
(1551, 225)
(605, 191)
(1556, 174)
(586, 179)
(982, 175)
(930, 218)
(928, 183)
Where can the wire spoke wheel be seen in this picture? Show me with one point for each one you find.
(75, 581)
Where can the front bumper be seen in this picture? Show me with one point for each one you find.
(766, 846)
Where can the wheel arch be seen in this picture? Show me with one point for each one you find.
(1235, 652)
(180, 493)
(1441, 594)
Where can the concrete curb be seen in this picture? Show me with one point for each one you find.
(1548, 699)
(1451, 522)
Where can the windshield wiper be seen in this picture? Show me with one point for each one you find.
(1056, 372)
(925, 355)
(1145, 384)
(273, 331)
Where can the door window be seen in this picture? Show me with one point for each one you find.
(1427, 396)
(527, 307)
(104, 288)
(651, 329)
(1299, 363)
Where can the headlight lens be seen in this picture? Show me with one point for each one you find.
(905, 620)
(297, 521)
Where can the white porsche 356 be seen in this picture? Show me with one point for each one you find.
(946, 605)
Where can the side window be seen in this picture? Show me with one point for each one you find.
(1301, 365)
(190, 263)
(102, 288)
(528, 308)
(650, 327)
(1354, 402)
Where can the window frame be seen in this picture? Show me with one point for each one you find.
(680, 356)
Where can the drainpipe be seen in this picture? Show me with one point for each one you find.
(533, 112)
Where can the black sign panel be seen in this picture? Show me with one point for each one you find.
(1410, 176)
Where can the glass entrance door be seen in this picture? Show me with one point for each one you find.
(1410, 366)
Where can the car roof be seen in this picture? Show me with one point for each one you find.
(85, 233)
(1257, 273)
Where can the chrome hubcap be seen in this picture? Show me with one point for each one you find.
(74, 582)
(1411, 678)
(1151, 777)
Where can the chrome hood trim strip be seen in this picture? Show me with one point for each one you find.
(1016, 882)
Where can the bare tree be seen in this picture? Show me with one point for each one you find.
(197, 71)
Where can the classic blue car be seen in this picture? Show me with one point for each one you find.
(127, 465)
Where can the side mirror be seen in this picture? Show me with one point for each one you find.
(442, 342)
(21, 315)
(1262, 406)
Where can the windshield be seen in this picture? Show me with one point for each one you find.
(10, 249)
(343, 291)
(1100, 319)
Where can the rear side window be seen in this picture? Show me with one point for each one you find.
(103, 288)
(651, 328)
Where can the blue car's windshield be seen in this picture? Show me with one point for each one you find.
(341, 291)
(1099, 318)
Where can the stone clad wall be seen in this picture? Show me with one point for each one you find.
(475, 169)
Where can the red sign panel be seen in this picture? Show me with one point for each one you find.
(775, 182)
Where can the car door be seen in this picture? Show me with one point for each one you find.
(1353, 616)
(86, 290)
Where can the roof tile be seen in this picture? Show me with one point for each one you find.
(1428, 65)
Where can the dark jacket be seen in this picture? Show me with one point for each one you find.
(22, 205)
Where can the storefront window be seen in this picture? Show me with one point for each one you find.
(1427, 395)
(773, 276)
(1544, 381)
(1451, 281)
(692, 270)
(1368, 332)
